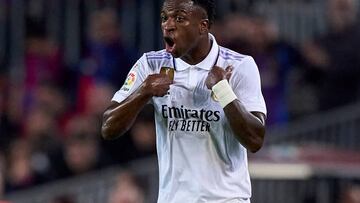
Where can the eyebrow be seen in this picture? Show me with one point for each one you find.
(176, 11)
(181, 11)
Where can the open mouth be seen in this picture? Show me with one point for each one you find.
(169, 44)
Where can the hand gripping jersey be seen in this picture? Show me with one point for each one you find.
(199, 158)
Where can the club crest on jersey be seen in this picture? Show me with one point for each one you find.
(129, 82)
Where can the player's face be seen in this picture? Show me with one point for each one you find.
(181, 23)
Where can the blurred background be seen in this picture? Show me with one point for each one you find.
(62, 60)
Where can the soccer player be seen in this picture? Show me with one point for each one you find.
(208, 114)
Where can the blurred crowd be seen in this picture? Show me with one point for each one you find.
(50, 121)
(316, 75)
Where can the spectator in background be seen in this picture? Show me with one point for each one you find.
(33, 106)
(333, 59)
(351, 195)
(126, 190)
(42, 133)
(20, 173)
(139, 143)
(50, 98)
(81, 153)
(94, 99)
(105, 65)
(143, 134)
(106, 58)
(11, 114)
(5, 126)
(43, 62)
(276, 59)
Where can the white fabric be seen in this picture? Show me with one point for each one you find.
(199, 158)
(223, 93)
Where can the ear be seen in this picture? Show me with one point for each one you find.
(204, 26)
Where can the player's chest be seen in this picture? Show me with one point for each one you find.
(188, 106)
(189, 89)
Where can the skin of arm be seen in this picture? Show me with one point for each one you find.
(248, 127)
(119, 117)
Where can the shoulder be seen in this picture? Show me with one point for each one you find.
(157, 55)
(243, 65)
(234, 58)
(157, 59)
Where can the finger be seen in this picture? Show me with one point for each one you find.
(229, 69)
(168, 81)
(216, 69)
(228, 75)
(163, 79)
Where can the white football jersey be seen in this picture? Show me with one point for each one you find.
(199, 158)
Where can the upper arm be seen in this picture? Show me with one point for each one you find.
(135, 78)
(246, 84)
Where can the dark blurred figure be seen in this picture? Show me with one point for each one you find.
(43, 61)
(351, 195)
(107, 60)
(2, 175)
(81, 153)
(63, 199)
(139, 142)
(41, 127)
(42, 132)
(94, 99)
(5, 124)
(11, 115)
(105, 65)
(276, 59)
(143, 134)
(39, 87)
(334, 58)
(126, 190)
(20, 173)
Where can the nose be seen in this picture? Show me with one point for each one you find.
(168, 26)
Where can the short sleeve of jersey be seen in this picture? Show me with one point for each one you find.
(246, 84)
(134, 79)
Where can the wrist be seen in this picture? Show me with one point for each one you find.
(223, 93)
(145, 91)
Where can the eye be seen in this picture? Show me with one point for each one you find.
(163, 18)
(179, 19)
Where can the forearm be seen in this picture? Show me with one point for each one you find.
(249, 129)
(118, 118)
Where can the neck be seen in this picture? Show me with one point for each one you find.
(199, 52)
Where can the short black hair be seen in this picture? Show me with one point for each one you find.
(209, 7)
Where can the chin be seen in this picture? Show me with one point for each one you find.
(175, 54)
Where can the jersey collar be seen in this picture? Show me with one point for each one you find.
(206, 64)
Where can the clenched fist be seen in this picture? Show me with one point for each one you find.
(156, 85)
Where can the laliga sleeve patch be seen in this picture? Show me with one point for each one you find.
(129, 82)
